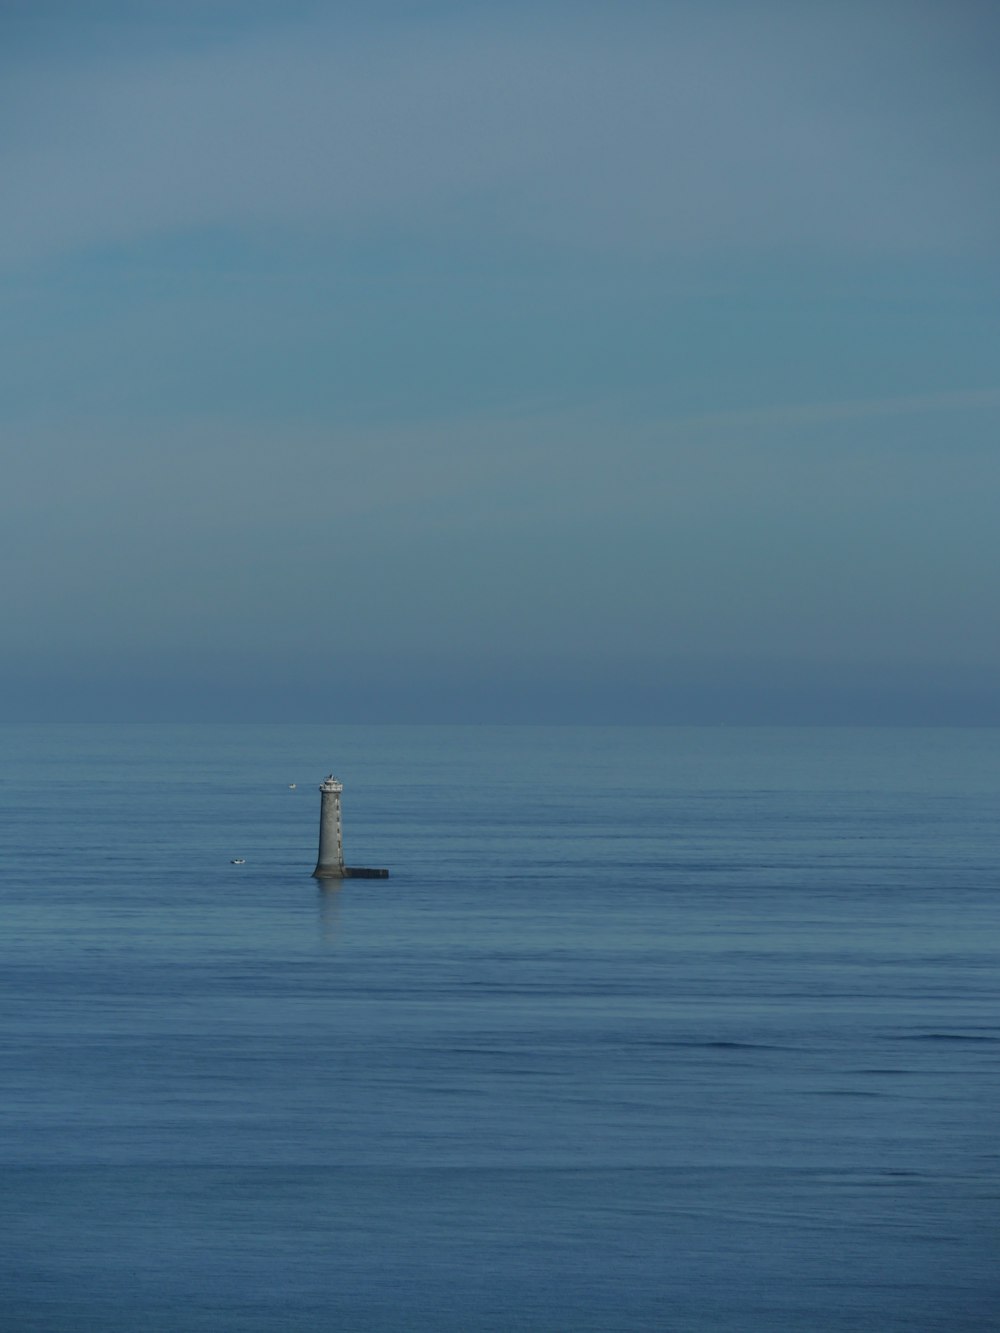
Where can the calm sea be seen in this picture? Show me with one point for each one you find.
(693, 1030)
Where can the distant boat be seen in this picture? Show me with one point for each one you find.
(238, 861)
(291, 786)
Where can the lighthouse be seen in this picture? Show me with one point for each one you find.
(330, 863)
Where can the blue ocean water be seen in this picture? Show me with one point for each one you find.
(692, 1030)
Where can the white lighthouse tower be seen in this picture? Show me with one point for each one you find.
(330, 864)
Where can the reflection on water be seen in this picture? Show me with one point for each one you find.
(328, 895)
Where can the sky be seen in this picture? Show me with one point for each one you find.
(460, 362)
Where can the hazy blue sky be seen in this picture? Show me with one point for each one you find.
(552, 361)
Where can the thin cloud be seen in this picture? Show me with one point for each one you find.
(804, 414)
(657, 131)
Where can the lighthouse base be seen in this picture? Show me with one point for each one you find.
(349, 872)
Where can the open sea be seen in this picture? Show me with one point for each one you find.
(676, 1029)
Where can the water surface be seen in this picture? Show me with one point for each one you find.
(673, 1029)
